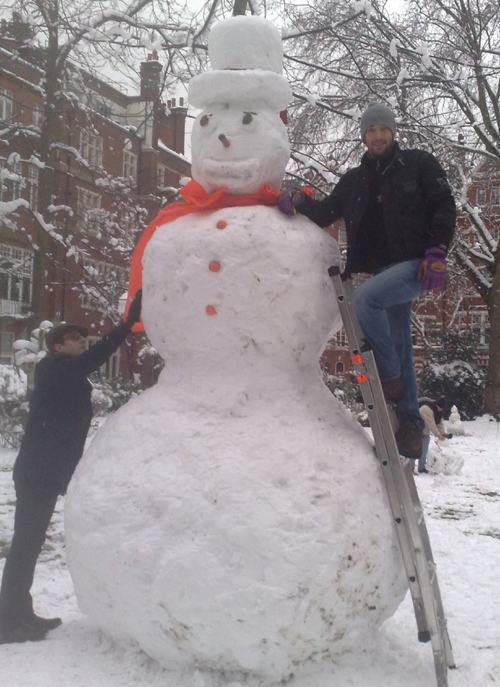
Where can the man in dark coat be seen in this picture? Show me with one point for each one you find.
(58, 421)
(400, 219)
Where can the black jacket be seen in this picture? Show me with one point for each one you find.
(61, 411)
(417, 206)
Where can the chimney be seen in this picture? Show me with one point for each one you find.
(151, 78)
(19, 29)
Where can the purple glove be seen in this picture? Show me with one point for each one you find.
(289, 200)
(432, 271)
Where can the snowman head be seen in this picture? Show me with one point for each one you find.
(239, 140)
(239, 148)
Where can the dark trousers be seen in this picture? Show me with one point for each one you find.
(35, 506)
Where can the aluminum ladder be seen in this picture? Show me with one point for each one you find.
(403, 497)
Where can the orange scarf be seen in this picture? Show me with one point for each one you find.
(197, 200)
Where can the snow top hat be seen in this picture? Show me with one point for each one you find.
(246, 53)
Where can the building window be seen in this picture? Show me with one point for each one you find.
(102, 278)
(37, 116)
(6, 99)
(495, 195)
(18, 182)
(480, 326)
(33, 186)
(128, 220)
(16, 278)
(161, 172)
(91, 148)
(339, 368)
(6, 348)
(340, 339)
(111, 367)
(129, 165)
(87, 217)
(480, 196)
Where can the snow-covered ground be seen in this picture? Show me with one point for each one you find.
(463, 518)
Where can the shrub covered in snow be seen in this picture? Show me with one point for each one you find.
(110, 394)
(350, 395)
(452, 373)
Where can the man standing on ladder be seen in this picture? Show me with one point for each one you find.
(400, 216)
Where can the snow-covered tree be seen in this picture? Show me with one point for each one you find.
(437, 63)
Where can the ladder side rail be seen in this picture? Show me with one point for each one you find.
(417, 506)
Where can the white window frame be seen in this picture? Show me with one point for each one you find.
(17, 186)
(87, 201)
(161, 171)
(17, 264)
(128, 220)
(106, 271)
(480, 196)
(91, 147)
(111, 367)
(340, 339)
(6, 104)
(480, 322)
(495, 195)
(339, 367)
(130, 165)
(37, 115)
(6, 348)
(33, 180)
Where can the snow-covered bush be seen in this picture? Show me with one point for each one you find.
(452, 373)
(13, 387)
(350, 395)
(110, 394)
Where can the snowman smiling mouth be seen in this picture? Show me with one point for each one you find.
(247, 170)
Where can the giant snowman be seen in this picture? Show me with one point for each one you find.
(232, 518)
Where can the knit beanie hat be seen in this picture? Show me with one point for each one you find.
(377, 113)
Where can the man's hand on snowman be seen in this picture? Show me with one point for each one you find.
(134, 311)
(289, 200)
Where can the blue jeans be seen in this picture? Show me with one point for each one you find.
(383, 307)
(426, 440)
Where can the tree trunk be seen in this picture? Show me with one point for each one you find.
(51, 87)
(492, 390)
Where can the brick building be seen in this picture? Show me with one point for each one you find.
(113, 160)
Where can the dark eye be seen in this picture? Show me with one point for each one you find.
(247, 118)
(204, 120)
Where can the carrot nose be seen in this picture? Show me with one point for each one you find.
(225, 142)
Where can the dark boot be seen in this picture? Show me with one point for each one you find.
(408, 437)
(21, 632)
(43, 623)
(393, 389)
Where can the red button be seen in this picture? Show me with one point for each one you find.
(214, 266)
(221, 224)
(211, 310)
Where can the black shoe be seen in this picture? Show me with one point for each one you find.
(408, 437)
(423, 470)
(44, 623)
(22, 633)
(393, 389)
